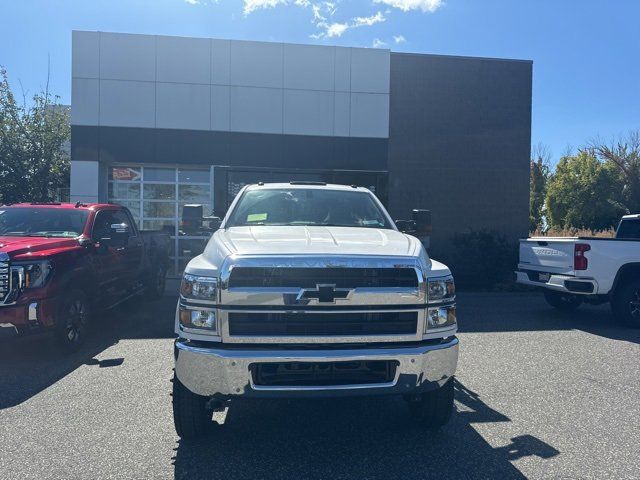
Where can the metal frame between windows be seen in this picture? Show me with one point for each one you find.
(177, 259)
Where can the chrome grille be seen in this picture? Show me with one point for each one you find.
(306, 277)
(5, 280)
(269, 324)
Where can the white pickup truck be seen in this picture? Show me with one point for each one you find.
(586, 269)
(310, 290)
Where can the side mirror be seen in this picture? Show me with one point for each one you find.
(406, 226)
(422, 221)
(119, 236)
(214, 222)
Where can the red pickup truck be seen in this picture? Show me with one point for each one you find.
(59, 263)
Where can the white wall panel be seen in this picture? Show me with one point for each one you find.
(220, 58)
(85, 48)
(228, 85)
(343, 69)
(183, 105)
(127, 57)
(220, 107)
(370, 70)
(308, 112)
(185, 60)
(256, 110)
(309, 67)
(369, 115)
(127, 104)
(256, 64)
(85, 101)
(341, 114)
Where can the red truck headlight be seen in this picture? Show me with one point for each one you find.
(36, 274)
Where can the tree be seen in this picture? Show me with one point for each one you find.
(584, 193)
(624, 153)
(539, 176)
(34, 163)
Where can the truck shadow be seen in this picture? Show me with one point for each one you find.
(30, 364)
(352, 438)
(512, 312)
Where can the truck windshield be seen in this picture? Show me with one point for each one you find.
(299, 206)
(41, 222)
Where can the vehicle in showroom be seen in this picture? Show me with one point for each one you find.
(595, 270)
(309, 289)
(62, 262)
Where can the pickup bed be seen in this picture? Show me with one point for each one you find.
(575, 270)
(60, 263)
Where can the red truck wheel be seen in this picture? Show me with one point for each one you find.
(72, 320)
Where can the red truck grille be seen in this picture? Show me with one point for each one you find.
(5, 281)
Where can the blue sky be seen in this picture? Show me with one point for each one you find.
(586, 79)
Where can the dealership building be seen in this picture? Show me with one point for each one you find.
(159, 122)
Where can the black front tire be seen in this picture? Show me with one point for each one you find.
(626, 304)
(565, 302)
(433, 409)
(191, 417)
(72, 320)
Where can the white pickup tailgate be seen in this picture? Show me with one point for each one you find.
(553, 255)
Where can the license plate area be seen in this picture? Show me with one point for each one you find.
(544, 277)
(323, 374)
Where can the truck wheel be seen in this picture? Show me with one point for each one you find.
(626, 304)
(156, 283)
(562, 301)
(191, 417)
(72, 320)
(433, 409)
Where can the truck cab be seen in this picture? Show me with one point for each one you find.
(59, 263)
(309, 289)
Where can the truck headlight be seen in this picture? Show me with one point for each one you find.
(35, 273)
(439, 317)
(198, 318)
(199, 288)
(441, 289)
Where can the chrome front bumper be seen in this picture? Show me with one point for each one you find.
(216, 371)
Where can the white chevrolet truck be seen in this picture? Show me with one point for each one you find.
(576, 270)
(309, 289)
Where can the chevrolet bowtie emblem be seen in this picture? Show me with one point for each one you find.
(324, 293)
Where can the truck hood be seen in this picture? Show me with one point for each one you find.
(24, 248)
(291, 240)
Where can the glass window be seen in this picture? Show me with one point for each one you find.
(168, 225)
(186, 175)
(152, 174)
(159, 192)
(44, 222)
(134, 207)
(305, 206)
(127, 174)
(124, 190)
(159, 210)
(194, 193)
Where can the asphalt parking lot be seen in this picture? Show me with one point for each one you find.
(539, 394)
